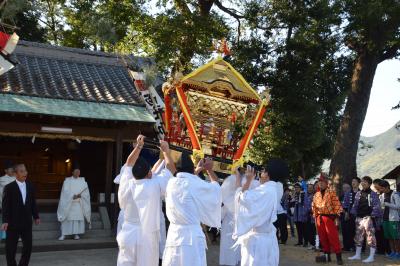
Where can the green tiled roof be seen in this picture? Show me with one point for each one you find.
(68, 108)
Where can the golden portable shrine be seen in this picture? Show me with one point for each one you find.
(213, 111)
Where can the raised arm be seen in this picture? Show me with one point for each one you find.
(250, 175)
(238, 182)
(156, 165)
(132, 158)
(199, 167)
(126, 173)
(169, 162)
(208, 166)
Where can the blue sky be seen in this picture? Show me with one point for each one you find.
(384, 95)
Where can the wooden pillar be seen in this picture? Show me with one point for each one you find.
(118, 165)
(109, 175)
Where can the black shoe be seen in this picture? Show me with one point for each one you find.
(305, 245)
(323, 258)
(299, 244)
(339, 260)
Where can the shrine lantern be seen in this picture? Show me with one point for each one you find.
(213, 111)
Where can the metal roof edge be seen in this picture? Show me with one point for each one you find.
(85, 104)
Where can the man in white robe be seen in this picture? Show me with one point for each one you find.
(120, 219)
(157, 168)
(228, 255)
(255, 213)
(7, 178)
(191, 201)
(139, 196)
(74, 206)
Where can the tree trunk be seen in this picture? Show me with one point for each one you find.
(343, 165)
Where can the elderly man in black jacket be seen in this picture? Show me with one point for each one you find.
(19, 207)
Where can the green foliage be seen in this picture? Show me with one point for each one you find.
(179, 38)
(20, 13)
(372, 25)
(298, 60)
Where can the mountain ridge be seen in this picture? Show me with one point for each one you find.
(377, 155)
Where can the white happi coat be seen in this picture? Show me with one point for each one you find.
(73, 213)
(189, 202)
(139, 237)
(255, 212)
(4, 181)
(227, 254)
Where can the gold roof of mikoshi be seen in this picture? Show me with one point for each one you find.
(219, 79)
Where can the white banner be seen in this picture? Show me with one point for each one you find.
(154, 103)
(5, 65)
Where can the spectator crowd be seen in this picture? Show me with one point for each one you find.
(367, 212)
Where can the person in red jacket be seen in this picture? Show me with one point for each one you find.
(326, 210)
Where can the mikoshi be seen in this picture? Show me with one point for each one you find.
(213, 111)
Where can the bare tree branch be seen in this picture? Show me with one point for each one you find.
(44, 22)
(230, 11)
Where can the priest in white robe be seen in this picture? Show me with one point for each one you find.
(74, 206)
(191, 201)
(7, 178)
(228, 255)
(255, 213)
(139, 195)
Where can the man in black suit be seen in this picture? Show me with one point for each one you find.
(19, 206)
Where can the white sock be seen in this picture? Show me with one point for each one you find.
(357, 256)
(371, 255)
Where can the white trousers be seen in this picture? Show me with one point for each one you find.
(186, 255)
(120, 221)
(227, 254)
(163, 235)
(260, 249)
(136, 249)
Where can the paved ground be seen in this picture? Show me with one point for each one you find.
(290, 256)
(93, 257)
